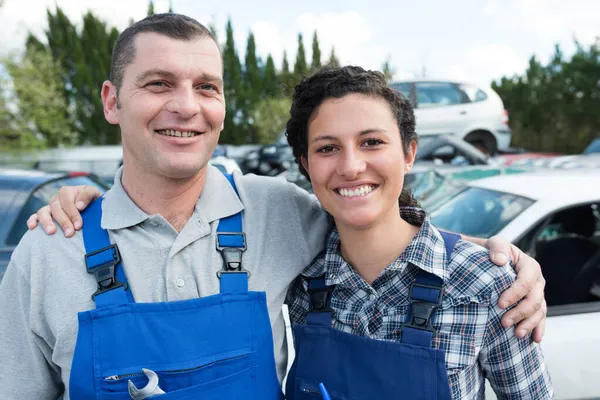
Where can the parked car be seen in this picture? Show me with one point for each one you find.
(593, 147)
(447, 150)
(271, 159)
(554, 216)
(466, 111)
(23, 192)
(225, 164)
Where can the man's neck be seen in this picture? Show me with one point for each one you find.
(174, 199)
(372, 249)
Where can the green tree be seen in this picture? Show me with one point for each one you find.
(270, 116)
(286, 77)
(40, 119)
(315, 65)
(253, 82)
(271, 81)
(150, 8)
(388, 70)
(234, 91)
(300, 67)
(84, 60)
(170, 7)
(554, 107)
(333, 61)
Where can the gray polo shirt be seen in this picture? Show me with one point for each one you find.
(46, 283)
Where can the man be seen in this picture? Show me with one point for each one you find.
(170, 316)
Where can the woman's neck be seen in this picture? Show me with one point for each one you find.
(372, 249)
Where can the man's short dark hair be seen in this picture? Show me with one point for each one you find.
(175, 26)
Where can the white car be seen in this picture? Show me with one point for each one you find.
(466, 111)
(225, 164)
(553, 215)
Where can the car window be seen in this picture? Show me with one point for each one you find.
(40, 198)
(437, 94)
(479, 212)
(567, 246)
(402, 87)
(473, 93)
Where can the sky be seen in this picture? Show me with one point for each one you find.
(471, 40)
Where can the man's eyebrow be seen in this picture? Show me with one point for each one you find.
(155, 72)
(363, 132)
(162, 73)
(211, 78)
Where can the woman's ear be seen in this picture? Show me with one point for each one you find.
(304, 163)
(409, 157)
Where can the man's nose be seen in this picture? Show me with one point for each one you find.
(351, 164)
(185, 102)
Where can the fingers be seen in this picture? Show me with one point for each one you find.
(529, 313)
(85, 195)
(538, 331)
(32, 221)
(68, 197)
(529, 274)
(500, 250)
(62, 218)
(44, 218)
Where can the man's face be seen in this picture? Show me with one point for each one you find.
(171, 105)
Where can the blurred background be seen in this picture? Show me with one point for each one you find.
(506, 95)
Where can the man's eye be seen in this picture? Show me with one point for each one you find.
(208, 86)
(158, 84)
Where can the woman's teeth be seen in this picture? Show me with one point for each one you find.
(170, 132)
(360, 191)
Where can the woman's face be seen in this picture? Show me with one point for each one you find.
(355, 159)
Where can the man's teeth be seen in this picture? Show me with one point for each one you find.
(361, 191)
(170, 132)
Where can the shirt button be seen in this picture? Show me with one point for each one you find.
(180, 282)
(154, 223)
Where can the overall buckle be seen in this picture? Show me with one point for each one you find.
(105, 273)
(421, 310)
(319, 299)
(232, 255)
(420, 316)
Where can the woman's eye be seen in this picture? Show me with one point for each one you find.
(372, 142)
(325, 149)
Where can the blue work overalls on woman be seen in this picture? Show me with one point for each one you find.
(215, 347)
(353, 367)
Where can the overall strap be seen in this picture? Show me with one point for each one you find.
(231, 243)
(425, 296)
(103, 260)
(319, 292)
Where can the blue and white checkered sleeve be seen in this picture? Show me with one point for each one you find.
(515, 367)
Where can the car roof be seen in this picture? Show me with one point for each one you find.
(565, 186)
(456, 81)
(26, 178)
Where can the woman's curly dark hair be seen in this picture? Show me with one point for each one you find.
(328, 83)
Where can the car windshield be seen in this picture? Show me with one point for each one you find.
(479, 212)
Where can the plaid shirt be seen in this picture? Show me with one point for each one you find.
(468, 322)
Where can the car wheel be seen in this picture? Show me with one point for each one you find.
(484, 141)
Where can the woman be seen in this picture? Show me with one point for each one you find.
(389, 288)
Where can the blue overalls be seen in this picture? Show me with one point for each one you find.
(354, 367)
(209, 348)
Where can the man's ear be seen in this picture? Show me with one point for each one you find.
(110, 102)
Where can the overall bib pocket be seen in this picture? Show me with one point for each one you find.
(182, 377)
